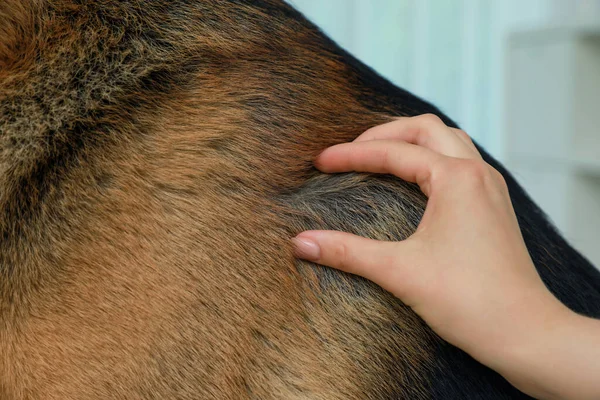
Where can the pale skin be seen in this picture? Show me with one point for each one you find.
(466, 270)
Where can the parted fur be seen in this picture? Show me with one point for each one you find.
(155, 159)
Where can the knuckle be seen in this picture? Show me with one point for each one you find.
(340, 255)
(441, 171)
(474, 171)
(464, 135)
(385, 159)
(430, 119)
(369, 132)
(429, 127)
(499, 178)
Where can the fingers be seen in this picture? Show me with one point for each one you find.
(425, 130)
(405, 160)
(368, 258)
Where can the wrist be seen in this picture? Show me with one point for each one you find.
(557, 359)
(531, 363)
(531, 352)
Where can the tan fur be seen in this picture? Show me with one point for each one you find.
(145, 248)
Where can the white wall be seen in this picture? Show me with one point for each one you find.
(451, 52)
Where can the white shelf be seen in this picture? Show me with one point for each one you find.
(585, 166)
(555, 31)
(588, 167)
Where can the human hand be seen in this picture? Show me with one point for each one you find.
(466, 270)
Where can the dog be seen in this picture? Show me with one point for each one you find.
(155, 160)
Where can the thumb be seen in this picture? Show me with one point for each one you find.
(368, 258)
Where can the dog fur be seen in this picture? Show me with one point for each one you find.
(155, 159)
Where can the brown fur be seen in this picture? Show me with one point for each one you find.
(154, 160)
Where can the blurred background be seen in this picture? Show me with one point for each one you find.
(522, 77)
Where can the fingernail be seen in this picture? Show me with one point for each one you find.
(306, 249)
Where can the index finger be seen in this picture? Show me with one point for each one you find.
(426, 130)
(405, 160)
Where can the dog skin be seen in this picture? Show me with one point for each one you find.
(155, 160)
